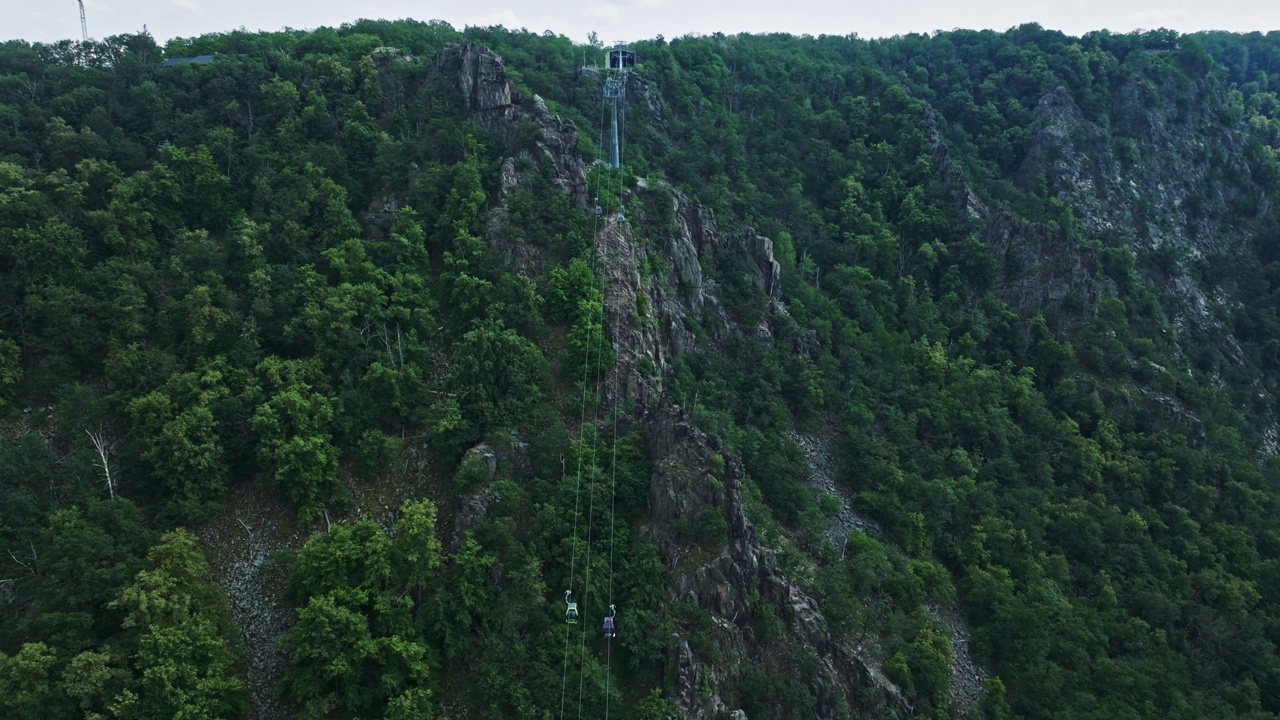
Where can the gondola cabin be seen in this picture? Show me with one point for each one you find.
(610, 631)
(571, 608)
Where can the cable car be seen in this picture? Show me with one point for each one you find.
(571, 611)
(609, 630)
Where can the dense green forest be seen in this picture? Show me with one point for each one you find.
(287, 274)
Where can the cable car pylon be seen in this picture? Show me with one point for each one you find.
(621, 59)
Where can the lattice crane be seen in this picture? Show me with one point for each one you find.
(84, 26)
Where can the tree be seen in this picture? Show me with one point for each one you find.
(183, 662)
(26, 686)
(355, 556)
(102, 446)
(568, 287)
(589, 351)
(465, 600)
(418, 549)
(354, 648)
(87, 556)
(295, 443)
(10, 369)
(93, 679)
(330, 647)
(499, 373)
(184, 447)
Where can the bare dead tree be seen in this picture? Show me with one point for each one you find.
(32, 567)
(103, 446)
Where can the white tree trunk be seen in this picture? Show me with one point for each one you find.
(103, 446)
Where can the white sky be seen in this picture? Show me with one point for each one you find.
(637, 19)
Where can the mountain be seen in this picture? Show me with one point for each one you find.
(930, 376)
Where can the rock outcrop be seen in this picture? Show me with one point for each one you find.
(697, 516)
(1162, 172)
(654, 318)
(1161, 168)
(494, 103)
(657, 316)
(482, 79)
(1040, 265)
(958, 190)
(1159, 171)
(968, 678)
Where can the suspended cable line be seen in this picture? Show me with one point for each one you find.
(595, 448)
(620, 60)
(609, 628)
(570, 604)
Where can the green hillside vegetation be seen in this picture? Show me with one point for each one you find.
(273, 272)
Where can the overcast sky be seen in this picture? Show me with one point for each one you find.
(46, 20)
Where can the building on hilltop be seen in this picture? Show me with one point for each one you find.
(197, 60)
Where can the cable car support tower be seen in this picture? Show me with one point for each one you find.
(621, 60)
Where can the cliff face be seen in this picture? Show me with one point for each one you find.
(1040, 265)
(651, 320)
(1164, 173)
(494, 104)
(697, 516)
(697, 482)
(736, 581)
(653, 317)
(1167, 172)
(1165, 167)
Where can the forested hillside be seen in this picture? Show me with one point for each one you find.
(932, 376)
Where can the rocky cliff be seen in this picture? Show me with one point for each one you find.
(493, 103)
(1163, 168)
(1040, 265)
(651, 319)
(1154, 172)
(1162, 175)
(1164, 172)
